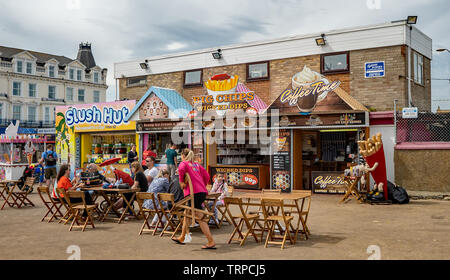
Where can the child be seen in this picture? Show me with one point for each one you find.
(219, 186)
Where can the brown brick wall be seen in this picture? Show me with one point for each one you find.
(421, 94)
(378, 93)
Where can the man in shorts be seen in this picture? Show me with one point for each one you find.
(50, 158)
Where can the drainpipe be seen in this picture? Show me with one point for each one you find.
(409, 66)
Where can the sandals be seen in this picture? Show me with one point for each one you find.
(209, 247)
(178, 241)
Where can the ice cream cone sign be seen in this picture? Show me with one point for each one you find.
(373, 152)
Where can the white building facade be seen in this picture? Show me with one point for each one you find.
(32, 84)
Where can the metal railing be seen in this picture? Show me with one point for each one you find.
(28, 124)
(427, 127)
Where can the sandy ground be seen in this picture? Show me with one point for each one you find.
(419, 230)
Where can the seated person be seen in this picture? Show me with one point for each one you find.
(219, 186)
(64, 182)
(159, 185)
(92, 177)
(126, 178)
(175, 188)
(140, 182)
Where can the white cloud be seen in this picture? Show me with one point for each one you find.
(176, 46)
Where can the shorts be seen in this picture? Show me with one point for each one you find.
(199, 198)
(50, 173)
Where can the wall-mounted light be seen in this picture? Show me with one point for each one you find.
(144, 65)
(321, 41)
(411, 20)
(217, 54)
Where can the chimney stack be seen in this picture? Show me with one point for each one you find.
(85, 55)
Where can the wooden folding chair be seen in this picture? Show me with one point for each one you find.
(260, 220)
(69, 214)
(171, 213)
(187, 208)
(148, 213)
(78, 209)
(273, 218)
(18, 198)
(53, 207)
(248, 219)
(223, 209)
(302, 216)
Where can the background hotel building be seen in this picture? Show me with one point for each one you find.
(32, 84)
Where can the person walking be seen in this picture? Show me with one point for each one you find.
(171, 155)
(50, 158)
(199, 177)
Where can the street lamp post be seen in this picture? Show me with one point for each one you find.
(442, 50)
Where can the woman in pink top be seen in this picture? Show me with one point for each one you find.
(199, 177)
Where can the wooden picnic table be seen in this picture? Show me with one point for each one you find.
(108, 193)
(290, 201)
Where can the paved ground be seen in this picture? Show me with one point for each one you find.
(419, 230)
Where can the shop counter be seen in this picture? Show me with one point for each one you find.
(243, 176)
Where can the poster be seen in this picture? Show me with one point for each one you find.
(281, 160)
(238, 177)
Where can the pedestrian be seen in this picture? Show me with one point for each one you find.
(29, 150)
(199, 177)
(50, 158)
(132, 155)
(171, 155)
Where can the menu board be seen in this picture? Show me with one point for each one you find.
(328, 182)
(238, 177)
(78, 154)
(281, 160)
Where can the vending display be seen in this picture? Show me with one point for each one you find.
(105, 147)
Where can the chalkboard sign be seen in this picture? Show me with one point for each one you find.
(78, 154)
(281, 160)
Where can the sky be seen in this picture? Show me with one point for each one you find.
(123, 30)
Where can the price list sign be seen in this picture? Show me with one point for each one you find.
(281, 160)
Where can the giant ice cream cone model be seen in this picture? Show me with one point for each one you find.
(373, 152)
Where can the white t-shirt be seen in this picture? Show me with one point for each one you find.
(151, 172)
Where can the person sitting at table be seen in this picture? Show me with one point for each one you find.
(125, 177)
(64, 182)
(140, 182)
(159, 185)
(92, 177)
(199, 177)
(219, 186)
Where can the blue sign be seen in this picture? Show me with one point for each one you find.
(374, 69)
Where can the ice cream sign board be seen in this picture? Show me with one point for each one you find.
(308, 88)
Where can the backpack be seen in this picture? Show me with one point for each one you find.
(50, 158)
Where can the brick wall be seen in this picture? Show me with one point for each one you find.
(378, 93)
(421, 93)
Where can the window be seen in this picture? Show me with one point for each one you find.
(17, 112)
(96, 96)
(78, 75)
(71, 74)
(51, 92)
(136, 81)
(32, 90)
(193, 78)
(334, 63)
(51, 71)
(258, 71)
(19, 66)
(96, 77)
(32, 113)
(29, 68)
(47, 115)
(418, 68)
(81, 95)
(69, 94)
(1, 112)
(17, 88)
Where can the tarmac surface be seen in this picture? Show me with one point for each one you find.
(418, 230)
